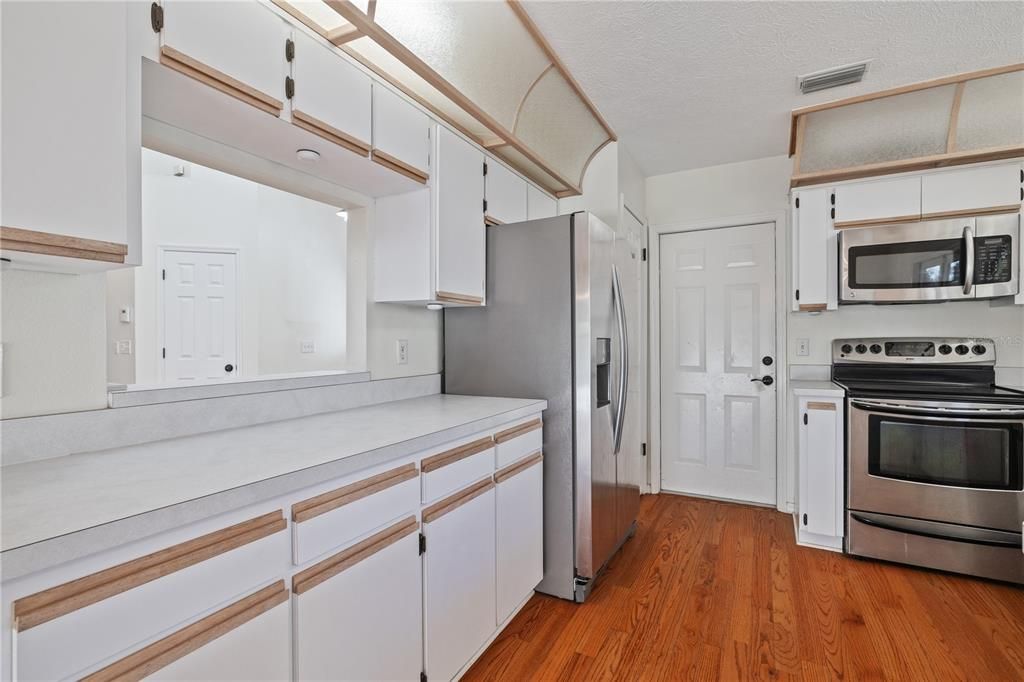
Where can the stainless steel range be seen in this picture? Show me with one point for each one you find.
(934, 455)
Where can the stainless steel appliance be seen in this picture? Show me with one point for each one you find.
(935, 455)
(554, 327)
(941, 260)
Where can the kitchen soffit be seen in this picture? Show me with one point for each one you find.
(483, 68)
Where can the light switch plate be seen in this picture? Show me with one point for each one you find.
(803, 347)
(124, 347)
(402, 351)
(308, 346)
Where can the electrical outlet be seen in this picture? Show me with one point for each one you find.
(124, 347)
(803, 347)
(308, 346)
(402, 348)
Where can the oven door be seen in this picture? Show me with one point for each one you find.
(957, 463)
(907, 263)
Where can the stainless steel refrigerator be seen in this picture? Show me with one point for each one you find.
(556, 326)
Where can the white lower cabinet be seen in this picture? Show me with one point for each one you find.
(520, 532)
(364, 621)
(458, 578)
(821, 475)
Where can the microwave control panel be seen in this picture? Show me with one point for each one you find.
(992, 259)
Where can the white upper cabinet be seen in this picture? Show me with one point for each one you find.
(967, 190)
(70, 152)
(814, 247)
(539, 204)
(506, 194)
(332, 97)
(238, 47)
(461, 253)
(401, 134)
(891, 199)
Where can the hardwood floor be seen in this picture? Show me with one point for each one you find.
(717, 591)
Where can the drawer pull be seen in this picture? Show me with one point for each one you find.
(329, 133)
(331, 500)
(397, 165)
(162, 653)
(203, 73)
(439, 509)
(306, 580)
(61, 600)
(452, 456)
(513, 469)
(516, 431)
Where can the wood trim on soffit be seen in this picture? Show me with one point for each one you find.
(370, 29)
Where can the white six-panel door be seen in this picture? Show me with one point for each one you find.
(717, 327)
(200, 330)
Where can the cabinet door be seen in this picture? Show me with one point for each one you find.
(402, 248)
(459, 579)
(460, 220)
(821, 467)
(539, 204)
(332, 97)
(363, 622)
(520, 528)
(505, 193)
(237, 47)
(878, 201)
(401, 135)
(813, 247)
(968, 190)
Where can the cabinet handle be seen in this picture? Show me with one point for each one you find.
(519, 467)
(454, 455)
(516, 431)
(830, 407)
(333, 499)
(453, 502)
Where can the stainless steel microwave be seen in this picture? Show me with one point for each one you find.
(941, 260)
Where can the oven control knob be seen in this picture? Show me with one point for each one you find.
(847, 348)
(861, 348)
(961, 349)
(875, 348)
(945, 349)
(979, 349)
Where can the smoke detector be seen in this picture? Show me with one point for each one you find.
(832, 78)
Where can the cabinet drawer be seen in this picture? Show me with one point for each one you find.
(338, 516)
(518, 441)
(96, 616)
(448, 471)
(247, 640)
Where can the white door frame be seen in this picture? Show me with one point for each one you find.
(784, 464)
(161, 253)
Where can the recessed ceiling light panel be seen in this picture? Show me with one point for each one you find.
(834, 77)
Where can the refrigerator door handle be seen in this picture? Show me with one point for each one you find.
(620, 318)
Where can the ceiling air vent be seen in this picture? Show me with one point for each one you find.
(831, 78)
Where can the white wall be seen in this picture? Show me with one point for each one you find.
(120, 294)
(53, 331)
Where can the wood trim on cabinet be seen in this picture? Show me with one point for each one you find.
(520, 466)
(329, 133)
(334, 499)
(399, 166)
(490, 220)
(991, 210)
(163, 652)
(518, 430)
(813, 307)
(181, 62)
(453, 502)
(875, 222)
(796, 143)
(907, 165)
(342, 35)
(466, 299)
(454, 455)
(301, 17)
(48, 243)
(61, 600)
(303, 581)
(828, 407)
(954, 117)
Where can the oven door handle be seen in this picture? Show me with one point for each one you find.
(921, 410)
(974, 536)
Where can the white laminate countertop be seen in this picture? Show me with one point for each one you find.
(117, 495)
(816, 388)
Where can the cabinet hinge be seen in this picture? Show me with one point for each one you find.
(156, 17)
(289, 87)
(798, 294)
(798, 202)
(643, 253)
(423, 677)
(805, 519)
(289, 49)
(423, 543)
(832, 213)
(163, 274)
(832, 199)
(643, 449)
(485, 205)
(805, 419)
(163, 352)
(485, 169)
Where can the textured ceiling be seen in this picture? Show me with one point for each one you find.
(692, 84)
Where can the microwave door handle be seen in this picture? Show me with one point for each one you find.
(968, 259)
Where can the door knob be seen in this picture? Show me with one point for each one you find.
(229, 367)
(766, 380)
